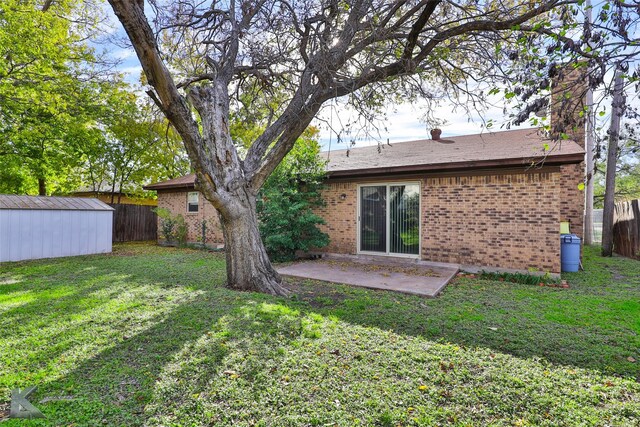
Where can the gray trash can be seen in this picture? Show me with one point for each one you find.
(569, 252)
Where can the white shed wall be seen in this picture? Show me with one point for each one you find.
(33, 234)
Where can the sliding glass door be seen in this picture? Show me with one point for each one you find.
(389, 219)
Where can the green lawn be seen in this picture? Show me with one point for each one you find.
(149, 336)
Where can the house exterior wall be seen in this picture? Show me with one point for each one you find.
(498, 219)
(339, 214)
(572, 198)
(176, 202)
(501, 218)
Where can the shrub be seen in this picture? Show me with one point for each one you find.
(522, 278)
(174, 227)
(286, 202)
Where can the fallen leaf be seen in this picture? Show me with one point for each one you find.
(631, 359)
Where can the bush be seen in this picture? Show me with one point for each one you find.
(173, 227)
(286, 202)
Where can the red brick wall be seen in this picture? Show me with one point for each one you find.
(500, 219)
(340, 217)
(507, 219)
(176, 202)
(568, 105)
(572, 198)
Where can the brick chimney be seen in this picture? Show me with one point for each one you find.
(568, 101)
(568, 90)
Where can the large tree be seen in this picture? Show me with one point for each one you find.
(50, 84)
(199, 57)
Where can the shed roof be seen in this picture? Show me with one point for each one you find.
(8, 201)
(513, 148)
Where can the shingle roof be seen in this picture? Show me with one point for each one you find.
(508, 148)
(8, 201)
(511, 148)
(186, 181)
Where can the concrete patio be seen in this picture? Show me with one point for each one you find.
(411, 277)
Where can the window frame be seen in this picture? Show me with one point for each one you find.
(388, 184)
(196, 204)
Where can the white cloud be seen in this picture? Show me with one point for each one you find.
(123, 54)
(132, 73)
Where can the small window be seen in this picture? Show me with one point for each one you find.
(192, 202)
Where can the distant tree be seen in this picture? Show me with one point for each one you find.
(135, 146)
(618, 106)
(49, 92)
(627, 184)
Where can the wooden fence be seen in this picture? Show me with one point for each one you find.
(626, 229)
(134, 222)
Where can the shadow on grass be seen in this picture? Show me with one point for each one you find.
(97, 347)
(594, 325)
(168, 309)
(116, 386)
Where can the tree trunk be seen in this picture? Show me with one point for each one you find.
(221, 175)
(612, 156)
(248, 265)
(223, 182)
(42, 187)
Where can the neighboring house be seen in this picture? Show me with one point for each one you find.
(493, 199)
(117, 197)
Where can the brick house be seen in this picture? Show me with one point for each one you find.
(488, 200)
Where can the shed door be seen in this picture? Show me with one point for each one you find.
(389, 219)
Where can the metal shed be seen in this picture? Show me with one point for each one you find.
(33, 227)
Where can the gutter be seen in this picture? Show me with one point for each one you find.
(556, 160)
(455, 166)
(159, 187)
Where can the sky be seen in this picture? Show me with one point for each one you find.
(403, 121)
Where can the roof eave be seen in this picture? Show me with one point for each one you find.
(456, 166)
(156, 187)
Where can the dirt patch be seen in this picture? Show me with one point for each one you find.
(4, 411)
(317, 295)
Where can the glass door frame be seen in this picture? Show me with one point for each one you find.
(388, 184)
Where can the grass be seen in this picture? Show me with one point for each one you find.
(148, 336)
(523, 278)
